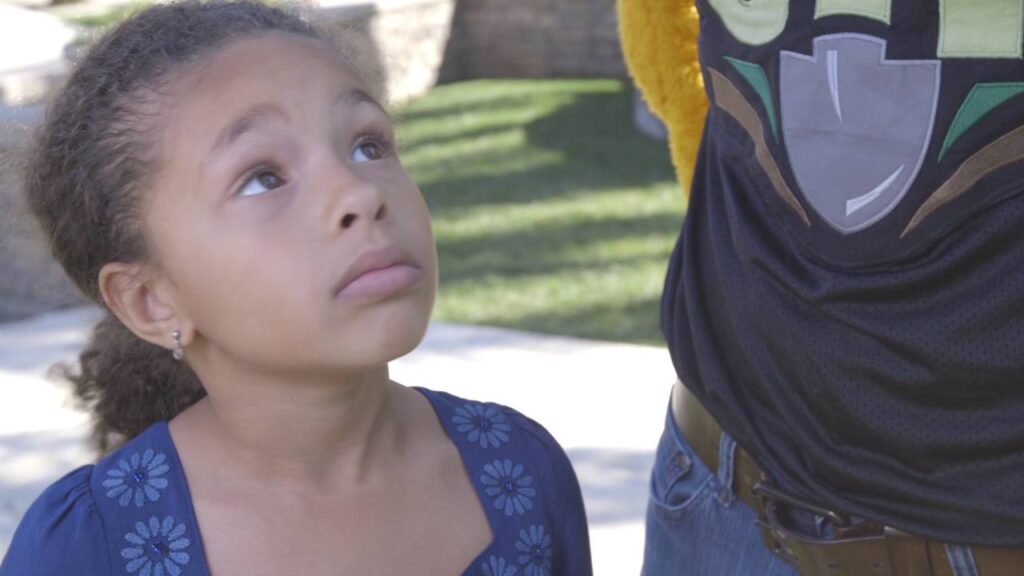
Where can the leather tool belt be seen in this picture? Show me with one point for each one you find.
(861, 548)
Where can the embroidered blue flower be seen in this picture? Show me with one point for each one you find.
(138, 478)
(484, 424)
(496, 566)
(535, 546)
(509, 488)
(158, 548)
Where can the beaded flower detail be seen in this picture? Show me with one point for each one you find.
(137, 478)
(157, 549)
(496, 566)
(535, 546)
(508, 486)
(483, 424)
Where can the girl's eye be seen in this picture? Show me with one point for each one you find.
(369, 150)
(260, 182)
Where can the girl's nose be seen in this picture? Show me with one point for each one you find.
(356, 202)
(353, 197)
(350, 218)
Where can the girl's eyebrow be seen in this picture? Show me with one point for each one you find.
(247, 122)
(260, 113)
(354, 96)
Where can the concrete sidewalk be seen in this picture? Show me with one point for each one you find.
(605, 402)
(31, 39)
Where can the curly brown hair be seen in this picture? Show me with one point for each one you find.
(84, 179)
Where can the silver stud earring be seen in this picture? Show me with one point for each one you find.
(178, 352)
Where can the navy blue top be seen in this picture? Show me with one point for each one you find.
(847, 293)
(132, 514)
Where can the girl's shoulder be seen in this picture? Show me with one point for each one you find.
(73, 525)
(61, 533)
(492, 428)
(502, 442)
(525, 482)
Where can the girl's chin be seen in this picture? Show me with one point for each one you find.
(386, 343)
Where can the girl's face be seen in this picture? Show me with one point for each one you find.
(292, 236)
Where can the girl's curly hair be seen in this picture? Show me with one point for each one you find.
(84, 181)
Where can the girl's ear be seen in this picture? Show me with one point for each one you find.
(144, 302)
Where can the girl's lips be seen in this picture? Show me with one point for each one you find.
(378, 274)
(382, 282)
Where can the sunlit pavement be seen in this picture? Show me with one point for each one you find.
(605, 403)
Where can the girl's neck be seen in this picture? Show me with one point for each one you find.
(325, 434)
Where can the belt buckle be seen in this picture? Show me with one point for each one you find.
(856, 546)
(773, 533)
(766, 493)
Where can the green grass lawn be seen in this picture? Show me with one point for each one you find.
(551, 213)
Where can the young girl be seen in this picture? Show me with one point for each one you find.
(225, 182)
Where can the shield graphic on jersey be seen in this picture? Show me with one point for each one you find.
(856, 126)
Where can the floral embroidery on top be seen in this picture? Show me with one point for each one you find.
(484, 424)
(496, 566)
(536, 548)
(509, 488)
(137, 478)
(159, 548)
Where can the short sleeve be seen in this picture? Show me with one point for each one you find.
(563, 500)
(60, 534)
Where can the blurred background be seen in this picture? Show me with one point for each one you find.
(555, 210)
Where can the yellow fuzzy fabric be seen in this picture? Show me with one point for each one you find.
(659, 39)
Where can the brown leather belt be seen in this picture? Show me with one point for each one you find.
(861, 548)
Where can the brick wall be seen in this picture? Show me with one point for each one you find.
(534, 38)
(419, 42)
(404, 39)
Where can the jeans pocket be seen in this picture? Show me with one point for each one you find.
(680, 479)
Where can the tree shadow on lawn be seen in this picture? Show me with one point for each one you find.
(635, 321)
(584, 147)
(548, 248)
(599, 150)
(486, 102)
(487, 95)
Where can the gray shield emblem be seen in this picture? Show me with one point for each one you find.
(856, 126)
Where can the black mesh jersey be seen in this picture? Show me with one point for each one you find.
(847, 293)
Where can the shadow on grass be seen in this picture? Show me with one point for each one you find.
(636, 322)
(485, 101)
(600, 150)
(543, 249)
(408, 143)
(566, 165)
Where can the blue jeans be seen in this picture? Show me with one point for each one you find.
(697, 526)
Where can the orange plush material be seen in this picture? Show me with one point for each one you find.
(659, 40)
